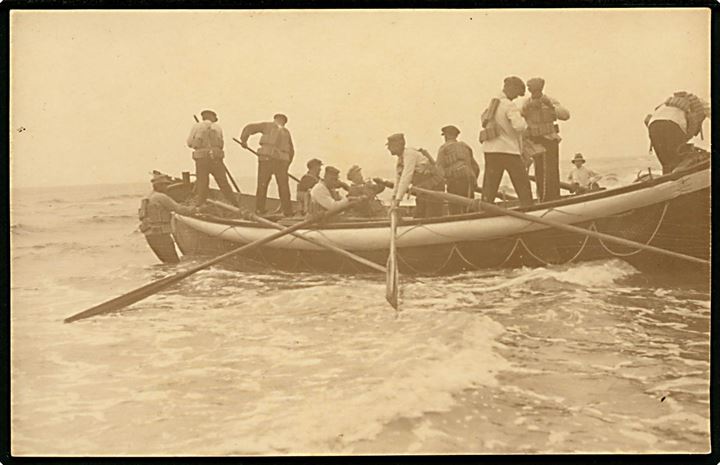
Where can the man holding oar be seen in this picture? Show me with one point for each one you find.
(274, 157)
(206, 140)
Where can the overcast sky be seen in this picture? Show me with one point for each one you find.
(105, 96)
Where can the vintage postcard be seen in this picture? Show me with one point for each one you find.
(349, 232)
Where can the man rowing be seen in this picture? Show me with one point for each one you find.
(275, 154)
(324, 195)
(306, 183)
(370, 207)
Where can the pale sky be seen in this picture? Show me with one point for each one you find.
(107, 96)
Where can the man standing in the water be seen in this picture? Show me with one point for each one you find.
(276, 152)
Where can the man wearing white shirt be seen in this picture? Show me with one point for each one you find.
(673, 123)
(582, 178)
(324, 196)
(416, 168)
(502, 152)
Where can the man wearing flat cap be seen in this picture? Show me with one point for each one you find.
(542, 138)
(370, 207)
(503, 145)
(306, 183)
(276, 152)
(155, 215)
(455, 160)
(415, 167)
(206, 140)
(324, 195)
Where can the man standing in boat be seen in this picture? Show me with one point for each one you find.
(275, 154)
(502, 133)
(541, 113)
(673, 123)
(206, 140)
(155, 214)
(457, 164)
(416, 167)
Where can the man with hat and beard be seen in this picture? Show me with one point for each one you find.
(458, 166)
(371, 207)
(415, 167)
(276, 152)
(155, 214)
(541, 113)
(206, 140)
(503, 148)
(324, 195)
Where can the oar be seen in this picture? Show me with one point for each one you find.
(319, 242)
(392, 278)
(154, 287)
(237, 189)
(258, 155)
(564, 227)
(563, 185)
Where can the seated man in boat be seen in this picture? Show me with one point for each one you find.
(581, 178)
(306, 183)
(155, 215)
(501, 138)
(418, 168)
(673, 123)
(371, 207)
(206, 140)
(324, 195)
(455, 160)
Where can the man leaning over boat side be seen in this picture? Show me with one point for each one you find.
(674, 122)
(324, 195)
(456, 161)
(541, 113)
(370, 206)
(416, 167)
(155, 214)
(206, 140)
(501, 138)
(275, 154)
(306, 183)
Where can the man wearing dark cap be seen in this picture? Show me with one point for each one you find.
(276, 152)
(324, 196)
(503, 147)
(306, 183)
(155, 214)
(541, 114)
(416, 167)
(455, 160)
(206, 140)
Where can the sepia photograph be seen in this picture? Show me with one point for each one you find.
(286, 232)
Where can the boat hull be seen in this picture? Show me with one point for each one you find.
(673, 213)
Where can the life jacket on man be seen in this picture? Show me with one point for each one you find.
(694, 111)
(208, 142)
(540, 118)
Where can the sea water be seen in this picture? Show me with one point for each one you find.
(589, 357)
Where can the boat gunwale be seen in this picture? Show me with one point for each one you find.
(383, 222)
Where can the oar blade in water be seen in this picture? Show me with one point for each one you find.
(392, 285)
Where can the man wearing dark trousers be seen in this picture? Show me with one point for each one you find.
(206, 140)
(455, 160)
(504, 146)
(276, 152)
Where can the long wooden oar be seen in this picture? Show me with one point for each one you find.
(258, 155)
(147, 290)
(392, 278)
(227, 171)
(319, 242)
(564, 227)
(563, 185)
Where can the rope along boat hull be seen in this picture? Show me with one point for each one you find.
(671, 212)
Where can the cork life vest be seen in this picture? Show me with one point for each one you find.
(456, 160)
(693, 108)
(154, 217)
(540, 118)
(210, 143)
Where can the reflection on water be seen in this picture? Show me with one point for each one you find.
(591, 357)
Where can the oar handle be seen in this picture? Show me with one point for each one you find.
(258, 155)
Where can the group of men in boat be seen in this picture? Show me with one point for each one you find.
(512, 137)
